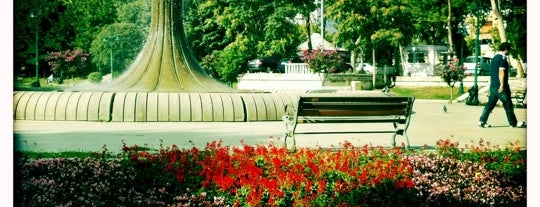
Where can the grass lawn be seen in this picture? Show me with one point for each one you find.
(428, 92)
(25, 84)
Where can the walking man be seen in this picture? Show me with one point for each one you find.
(499, 89)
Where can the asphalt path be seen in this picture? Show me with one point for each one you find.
(429, 123)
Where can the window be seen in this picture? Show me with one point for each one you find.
(417, 57)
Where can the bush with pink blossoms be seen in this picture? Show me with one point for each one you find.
(472, 176)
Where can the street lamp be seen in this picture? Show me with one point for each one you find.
(112, 63)
(473, 92)
(109, 39)
(463, 31)
(37, 84)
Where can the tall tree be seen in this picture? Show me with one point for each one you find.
(41, 24)
(201, 28)
(136, 12)
(121, 42)
(378, 25)
(88, 17)
(253, 28)
(499, 21)
(513, 14)
(304, 8)
(449, 28)
(282, 36)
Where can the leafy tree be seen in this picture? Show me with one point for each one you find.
(87, 18)
(60, 25)
(47, 19)
(202, 31)
(253, 28)
(514, 14)
(304, 8)
(124, 40)
(281, 37)
(137, 12)
(231, 60)
(370, 24)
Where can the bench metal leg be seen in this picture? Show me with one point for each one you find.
(289, 117)
(291, 135)
(407, 139)
(402, 132)
(394, 140)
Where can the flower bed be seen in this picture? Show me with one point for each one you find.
(273, 176)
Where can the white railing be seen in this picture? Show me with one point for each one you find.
(297, 68)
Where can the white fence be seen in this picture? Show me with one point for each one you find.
(297, 68)
(297, 76)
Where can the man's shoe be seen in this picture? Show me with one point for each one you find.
(520, 124)
(483, 124)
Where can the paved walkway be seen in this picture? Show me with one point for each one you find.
(429, 123)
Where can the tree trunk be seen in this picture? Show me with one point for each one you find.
(451, 94)
(499, 23)
(374, 68)
(308, 29)
(449, 26)
(498, 20)
(402, 57)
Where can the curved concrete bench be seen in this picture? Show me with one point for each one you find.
(150, 106)
(266, 107)
(177, 107)
(62, 106)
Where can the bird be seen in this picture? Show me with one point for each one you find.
(444, 108)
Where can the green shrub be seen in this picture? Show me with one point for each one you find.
(95, 77)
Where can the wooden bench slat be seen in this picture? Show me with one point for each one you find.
(354, 99)
(307, 119)
(341, 112)
(345, 132)
(353, 105)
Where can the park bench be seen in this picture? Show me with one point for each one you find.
(520, 96)
(315, 109)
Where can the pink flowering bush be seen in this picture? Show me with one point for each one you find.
(274, 176)
(474, 176)
(451, 73)
(326, 61)
(87, 182)
(69, 62)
